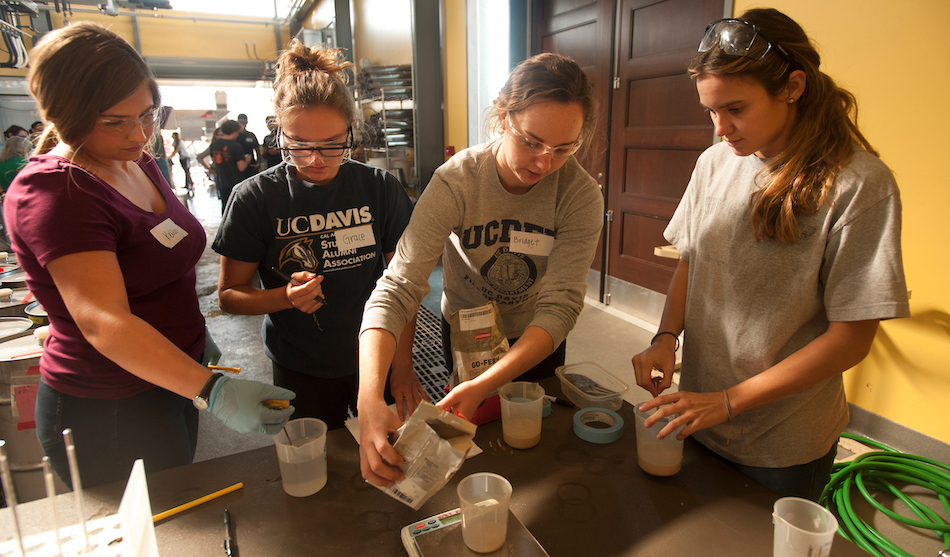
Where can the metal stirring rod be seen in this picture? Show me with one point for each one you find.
(51, 495)
(77, 484)
(10, 492)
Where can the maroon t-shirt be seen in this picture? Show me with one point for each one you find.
(56, 208)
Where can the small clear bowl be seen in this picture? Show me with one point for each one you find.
(587, 384)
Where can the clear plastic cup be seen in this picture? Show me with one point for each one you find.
(483, 498)
(302, 456)
(659, 457)
(522, 404)
(802, 528)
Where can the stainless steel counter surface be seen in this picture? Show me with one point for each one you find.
(577, 498)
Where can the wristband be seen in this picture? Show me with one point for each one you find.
(675, 338)
(725, 398)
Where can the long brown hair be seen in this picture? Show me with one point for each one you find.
(311, 77)
(822, 139)
(77, 73)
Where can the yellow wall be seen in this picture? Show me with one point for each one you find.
(382, 31)
(454, 75)
(892, 56)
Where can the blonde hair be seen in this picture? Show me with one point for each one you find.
(823, 136)
(312, 77)
(78, 72)
(15, 146)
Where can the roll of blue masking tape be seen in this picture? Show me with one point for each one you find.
(601, 416)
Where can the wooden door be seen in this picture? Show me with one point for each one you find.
(658, 130)
(583, 30)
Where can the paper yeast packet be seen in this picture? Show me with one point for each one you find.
(434, 444)
(478, 340)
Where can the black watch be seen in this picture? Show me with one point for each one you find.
(201, 401)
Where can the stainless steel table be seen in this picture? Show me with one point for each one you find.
(577, 498)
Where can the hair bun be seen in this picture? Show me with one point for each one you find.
(301, 59)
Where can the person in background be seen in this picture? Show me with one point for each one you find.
(328, 222)
(230, 160)
(13, 157)
(270, 150)
(110, 253)
(36, 129)
(249, 142)
(526, 185)
(178, 147)
(15, 130)
(789, 233)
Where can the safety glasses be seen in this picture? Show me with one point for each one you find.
(536, 148)
(739, 38)
(123, 126)
(301, 154)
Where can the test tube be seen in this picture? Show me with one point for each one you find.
(77, 484)
(51, 495)
(10, 492)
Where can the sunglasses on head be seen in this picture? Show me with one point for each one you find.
(739, 38)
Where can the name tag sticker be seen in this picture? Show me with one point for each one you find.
(531, 243)
(168, 233)
(352, 238)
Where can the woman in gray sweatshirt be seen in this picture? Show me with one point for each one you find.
(516, 222)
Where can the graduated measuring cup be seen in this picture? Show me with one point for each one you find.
(660, 457)
(802, 528)
(302, 456)
(483, 499)
(521, 408)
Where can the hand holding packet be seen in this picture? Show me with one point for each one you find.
(434, 444)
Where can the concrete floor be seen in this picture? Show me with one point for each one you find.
(603, 335)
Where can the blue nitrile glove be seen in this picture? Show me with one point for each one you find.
(238, 404)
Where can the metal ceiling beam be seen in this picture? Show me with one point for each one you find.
(155, 14)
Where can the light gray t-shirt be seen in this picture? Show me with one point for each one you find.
(750, 304)
(530, 253)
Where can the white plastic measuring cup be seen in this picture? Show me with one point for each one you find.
(660, 457)
(802, 528)
(522, 404)
(483, 498)
(302, 457)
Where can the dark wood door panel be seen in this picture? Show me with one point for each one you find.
(636, 252)
(669, 100)
(662, 27)
(658, 130)
(658, 172)
(583, 30)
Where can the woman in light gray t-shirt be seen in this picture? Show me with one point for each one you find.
(789, 234)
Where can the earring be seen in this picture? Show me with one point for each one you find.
(792, 100)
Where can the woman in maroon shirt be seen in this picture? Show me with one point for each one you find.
(110, 253)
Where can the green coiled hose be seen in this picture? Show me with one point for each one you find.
(878, 471)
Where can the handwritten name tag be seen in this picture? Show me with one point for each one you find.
(353, 238)
(168, 233)
(531, 243)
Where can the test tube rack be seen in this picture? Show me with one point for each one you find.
(128, 533)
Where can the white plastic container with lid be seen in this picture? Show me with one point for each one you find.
(587, 385)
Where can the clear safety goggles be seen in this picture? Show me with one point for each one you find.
(739, 38)
(536, 148)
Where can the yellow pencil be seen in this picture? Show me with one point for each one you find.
(196, 502)
(223, 368)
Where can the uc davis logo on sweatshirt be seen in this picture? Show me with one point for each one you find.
(508, 272)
